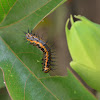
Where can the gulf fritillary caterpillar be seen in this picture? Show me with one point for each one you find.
(33, 39)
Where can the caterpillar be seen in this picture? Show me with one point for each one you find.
(33, 39)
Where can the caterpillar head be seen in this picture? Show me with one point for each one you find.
(46, 69)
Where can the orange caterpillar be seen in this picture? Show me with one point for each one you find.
(44, 47)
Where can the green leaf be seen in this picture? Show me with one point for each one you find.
(67, 87)
(21, 63)
(30, 12)
(23, 81)
(5, 7)
(14, 36)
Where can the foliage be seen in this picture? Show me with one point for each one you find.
(21, 63)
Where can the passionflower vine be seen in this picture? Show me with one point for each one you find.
(84, 45)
